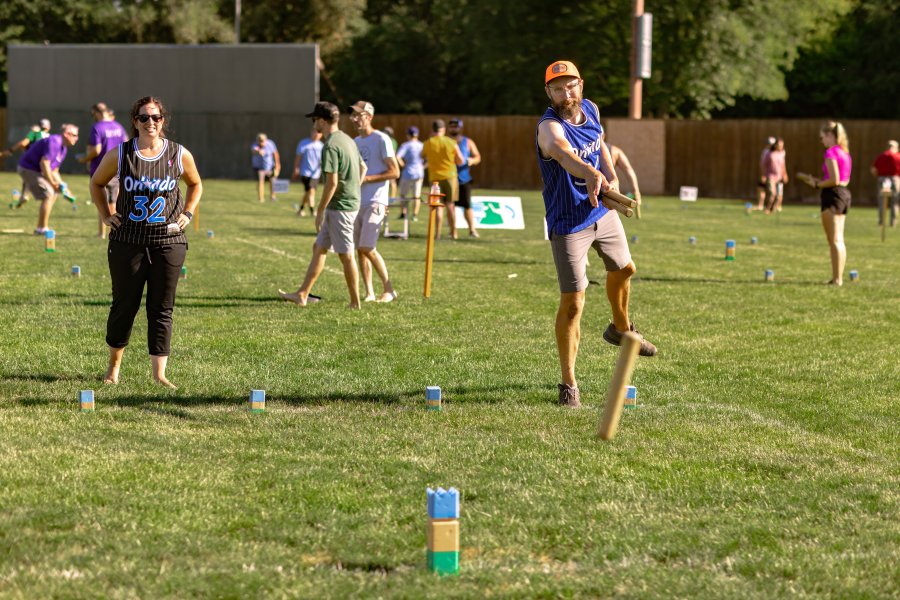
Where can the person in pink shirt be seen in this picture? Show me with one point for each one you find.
(776, 176)
(835, 196)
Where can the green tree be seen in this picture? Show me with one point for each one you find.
(330, 23)
(488, 56)
(709, 52)
(849, 75)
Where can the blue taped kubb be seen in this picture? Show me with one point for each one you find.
(443, 504)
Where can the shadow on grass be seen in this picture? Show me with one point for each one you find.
(43, 377)
(485, 261)
(168, 402)
(183, 300)
(716, 281)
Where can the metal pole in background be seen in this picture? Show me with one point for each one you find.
(637, 84)
(237, 21)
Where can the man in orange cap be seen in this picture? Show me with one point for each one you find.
(576, 169)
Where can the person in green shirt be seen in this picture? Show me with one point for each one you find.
(342, 171)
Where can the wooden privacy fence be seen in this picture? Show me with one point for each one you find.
(720, 157)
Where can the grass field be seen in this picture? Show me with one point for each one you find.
(763, 462)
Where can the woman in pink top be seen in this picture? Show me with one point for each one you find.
(835, 195)
(776, 176)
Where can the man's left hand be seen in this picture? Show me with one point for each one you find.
(320, 219)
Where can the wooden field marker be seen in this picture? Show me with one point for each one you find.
(615, 395)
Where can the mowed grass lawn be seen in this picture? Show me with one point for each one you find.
(763, 461)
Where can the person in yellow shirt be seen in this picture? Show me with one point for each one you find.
(441, 155)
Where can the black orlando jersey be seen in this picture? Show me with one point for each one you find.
(149, 198)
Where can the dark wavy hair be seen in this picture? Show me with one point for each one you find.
(136, 109)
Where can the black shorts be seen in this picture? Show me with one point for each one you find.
(464, 199)
(837, 198)
(309, 182)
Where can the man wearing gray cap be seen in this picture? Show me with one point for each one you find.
(377, 152)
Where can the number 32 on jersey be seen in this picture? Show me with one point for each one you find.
(152, 213)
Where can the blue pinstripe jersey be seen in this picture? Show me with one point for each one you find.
(565, 197)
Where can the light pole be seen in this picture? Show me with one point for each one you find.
(237, 21)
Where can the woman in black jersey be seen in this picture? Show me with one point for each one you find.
(147, 243)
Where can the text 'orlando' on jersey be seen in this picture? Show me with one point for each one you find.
(565, 196)
(149, 197)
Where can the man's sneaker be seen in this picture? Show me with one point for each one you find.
(569, 396)
(614, 337)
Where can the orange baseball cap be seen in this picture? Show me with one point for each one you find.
(561, 68)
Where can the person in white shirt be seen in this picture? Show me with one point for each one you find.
(377, 152)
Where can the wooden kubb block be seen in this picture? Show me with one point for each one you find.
(433, 397)
(257, 400)
(86, 399)
(443, 563)
(442, 535)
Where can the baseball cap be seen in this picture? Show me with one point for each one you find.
(456, 122)
(362, 106)
(45, 123)
(413, 130)
(560, 68)
(771, 140)
(325, 110)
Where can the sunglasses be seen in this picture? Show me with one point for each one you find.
(145, 118)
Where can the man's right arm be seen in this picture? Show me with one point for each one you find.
(93, 151)
(553, 144)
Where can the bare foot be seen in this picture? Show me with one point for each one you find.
(294, 297)
(112, 375)
(165, 383)
(353, 306)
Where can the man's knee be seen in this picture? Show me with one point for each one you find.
(625, 272)
(571, 305)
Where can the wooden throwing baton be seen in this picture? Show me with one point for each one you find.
(620, 202)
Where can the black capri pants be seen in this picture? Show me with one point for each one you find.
(130, 267)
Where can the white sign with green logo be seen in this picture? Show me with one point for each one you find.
(495, 212)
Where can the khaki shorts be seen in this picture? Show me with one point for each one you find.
(35, 184)
(450, 189)
(337, 231)
(368, 225)
(112, 190)
(606, 236)
(411, 188)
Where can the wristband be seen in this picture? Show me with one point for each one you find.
(188, 214)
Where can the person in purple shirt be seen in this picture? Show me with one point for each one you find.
(106, 134)
(39, 170)
(835, 196)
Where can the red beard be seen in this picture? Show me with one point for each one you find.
(568, 108)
